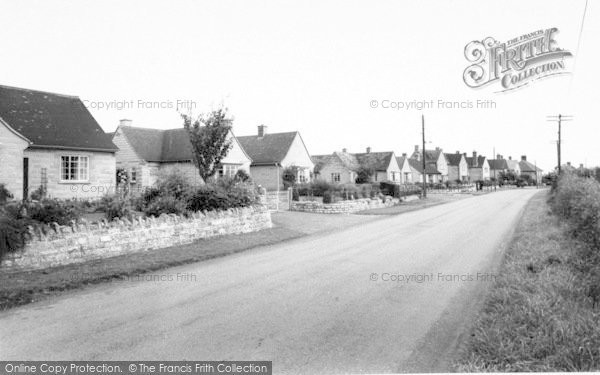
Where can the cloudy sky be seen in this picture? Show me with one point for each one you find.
(314, 66)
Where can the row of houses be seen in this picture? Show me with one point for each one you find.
(439, 167)
(51, 140)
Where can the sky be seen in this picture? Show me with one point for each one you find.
(318, 67)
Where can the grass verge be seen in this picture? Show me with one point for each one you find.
(539, 315)
(26, 287)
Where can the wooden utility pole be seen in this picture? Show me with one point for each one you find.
(423, 156)
(560, 118)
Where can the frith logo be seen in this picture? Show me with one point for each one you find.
(516, 62)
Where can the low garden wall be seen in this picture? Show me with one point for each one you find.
(343, 207)
(60, 245)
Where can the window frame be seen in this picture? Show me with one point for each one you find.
(69, 168)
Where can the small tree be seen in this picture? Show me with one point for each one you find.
(289, 176)
(208, 136)
(363, 175)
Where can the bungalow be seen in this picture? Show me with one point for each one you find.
(52, 141)
(271, 153)
(416, 170)
(147, 153)
(406, 172)
(439, 173)
(531, 170)
(479, 168)
(339, 167)
(383, 164)
(343, 167)
(458, 169)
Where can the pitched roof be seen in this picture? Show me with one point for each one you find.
(480, 161)
(454, 159)
(528, 167)
(401, 160)
(349, 161)
(268, 149)
(498, 164)
(431, 168)
(51, 120)
(416, 164)
(319, 161)
(158, 145)
(378, 161)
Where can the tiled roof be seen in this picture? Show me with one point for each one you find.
(498, 164)
(431, 168)
(416, 164)
(528, 167)
(480, 161)
(319, 161)
(454, 159)
(269, 149)
(378, 161)
(349, 161)
(158, 145)
(51, 120)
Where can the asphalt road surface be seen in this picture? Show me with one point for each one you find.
(335, 302)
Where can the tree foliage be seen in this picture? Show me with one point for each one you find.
(209, 138)
(364, 174)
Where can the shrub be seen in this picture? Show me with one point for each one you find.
(13, 230)
(165, 204)
(214, 197)
(39, 193)
(295, 195)
(319, 187)
(4, 194)
(174, 183)
(328, 197)
(53, 210)
(242, 176)
(577, 200)
(115, 206)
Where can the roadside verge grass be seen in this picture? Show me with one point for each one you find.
(539, 315)
(25, 287)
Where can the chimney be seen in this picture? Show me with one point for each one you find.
(475, 163)
(262, 130)
(498, 156)
(404, 154)
(437, 149)
(569, 163)
(368, 150)
(124, 122)
(524, 157)
(465, 154)
(580, 166)
(416, 148)
(457, 152)
(510, 158)
(344, 150)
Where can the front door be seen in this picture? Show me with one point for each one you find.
(25, 178)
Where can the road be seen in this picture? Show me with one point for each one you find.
(318, 304)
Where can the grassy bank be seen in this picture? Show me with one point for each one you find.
(539, 315)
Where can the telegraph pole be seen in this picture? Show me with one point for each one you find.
(560, 118)
(423, 156)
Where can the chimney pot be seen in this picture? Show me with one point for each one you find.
(124, 122)
(262, 130)
(416, 147)
(524, 157)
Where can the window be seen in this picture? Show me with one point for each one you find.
(229, 170)
(133, 175)
(302, 176)
(335, 177)
(74, 168)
